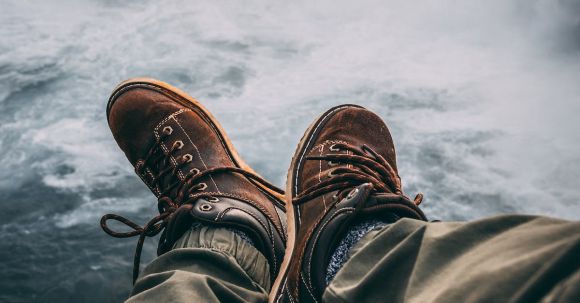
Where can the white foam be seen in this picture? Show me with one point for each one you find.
(500, 73)
(91, 161)
(92, 209)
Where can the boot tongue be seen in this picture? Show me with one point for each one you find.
(169, 184)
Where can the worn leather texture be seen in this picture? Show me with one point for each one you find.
(179, 150)
(344, 170)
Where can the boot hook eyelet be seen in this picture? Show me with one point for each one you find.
(352, 193)
(205, 207)
(168, 130)
(178, 144)
(194, 171)
(213, 199)
(334, 148)
(330, 174)
(203, 186)
(187, 158)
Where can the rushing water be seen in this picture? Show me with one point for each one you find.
(482, 98)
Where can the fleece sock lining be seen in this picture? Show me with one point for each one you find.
(342, 251)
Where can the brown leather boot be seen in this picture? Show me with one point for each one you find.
(180, 151)
(344, 171)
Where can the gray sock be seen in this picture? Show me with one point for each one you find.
(342, 251)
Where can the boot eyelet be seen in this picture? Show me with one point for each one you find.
(332, 163)
(330, 174)
(203, 186)
(352, 193)
(333, 148)
(213, 199)
(194, 171)
(187, 158)
(168, 130)
(205, 207)
(178, 144)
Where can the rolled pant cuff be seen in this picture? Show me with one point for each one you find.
(227, 242)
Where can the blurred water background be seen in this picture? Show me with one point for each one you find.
(482, 98)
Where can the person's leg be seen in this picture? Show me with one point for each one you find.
(206, 265)
(500, 259)
(343, 183)
(182, 154)
(343, 174)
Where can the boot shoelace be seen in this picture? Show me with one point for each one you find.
(367, 167)
(185, 188)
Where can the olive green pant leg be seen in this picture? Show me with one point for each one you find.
(500, 259)
(206, 265)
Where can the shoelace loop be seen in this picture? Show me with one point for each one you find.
(366, 166)
(159, 159)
